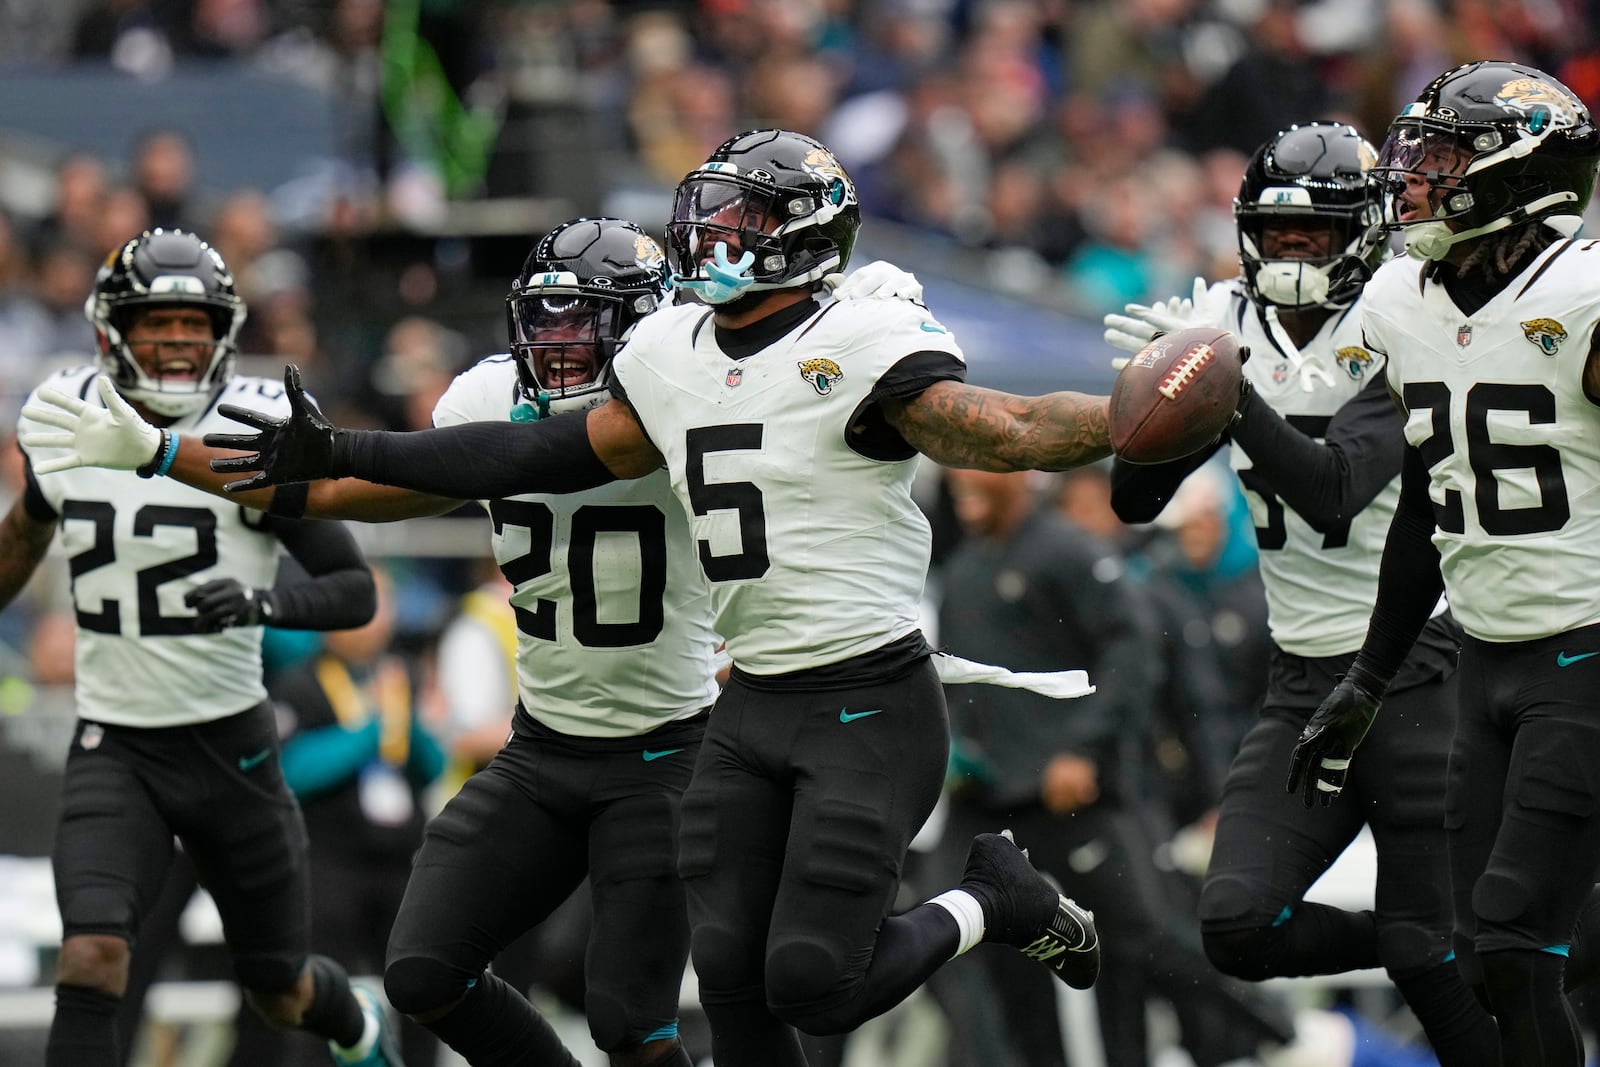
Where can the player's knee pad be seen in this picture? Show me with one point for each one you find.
(614, 1028)
(416, 985)
(269, 975)
(806, 986)
(1235, 930)
(727, 962)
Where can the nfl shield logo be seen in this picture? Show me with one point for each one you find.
(735, 376)
(93, 734)
(1463, 335)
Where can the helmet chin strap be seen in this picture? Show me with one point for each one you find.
(1433, 240)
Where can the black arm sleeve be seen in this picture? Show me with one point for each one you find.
(476, 460)
(1326, 484)
(1409, 582)
(33, 501)
(339, 595)
(1140, 490)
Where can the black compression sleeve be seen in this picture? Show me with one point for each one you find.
(339, 595)
(477, 460)
(1328, 483)
(1140, 490)
(1409, 582)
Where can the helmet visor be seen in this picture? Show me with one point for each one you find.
(564, 336)
(710, 209)
(1421, 170)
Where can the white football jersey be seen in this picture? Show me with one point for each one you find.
(816, 552)
(1496, 406)
(614, 633)
(1320, 586)
(135, 546)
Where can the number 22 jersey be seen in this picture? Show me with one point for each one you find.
(135, 546)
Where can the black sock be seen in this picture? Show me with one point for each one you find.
(84, 1031)
(1461, 1032)
(495, 1026)
(749, 1035)
(334, 1012)
(1531, 1012)
(678, 1057)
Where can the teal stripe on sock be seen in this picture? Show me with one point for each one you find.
(665, 1033)
(1557, 950)
(1283, 916)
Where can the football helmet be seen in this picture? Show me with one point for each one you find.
(580, 292)
(778, 200)
(1315, 175)
(165, 268)
(1487, 146)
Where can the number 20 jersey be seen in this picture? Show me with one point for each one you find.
(816, 551)
(614, 634)
(1494, 401)
(135, 546)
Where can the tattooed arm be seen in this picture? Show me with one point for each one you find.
(961, 425)
(24, 537)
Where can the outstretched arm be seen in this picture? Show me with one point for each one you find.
(962, 425)
(485, 460)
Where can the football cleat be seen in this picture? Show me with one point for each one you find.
(1024, 908)
(378, 1046)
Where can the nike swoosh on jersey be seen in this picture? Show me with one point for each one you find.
(846, 715)
(928, 327)
(651, 757)
(247, 763)
(1564, 660)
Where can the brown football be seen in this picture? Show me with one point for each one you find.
(1176, 395)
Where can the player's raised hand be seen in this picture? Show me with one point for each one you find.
(113, 436)
(298, 448)
(1321, 758)
(1132, 331)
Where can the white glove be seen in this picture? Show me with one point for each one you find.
(1131, 332)
(876, 281)
(114, 436)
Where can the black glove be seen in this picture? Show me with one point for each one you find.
(1321, 758)
(299, 448)
(225, 602)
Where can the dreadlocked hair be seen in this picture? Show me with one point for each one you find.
(1500, 253)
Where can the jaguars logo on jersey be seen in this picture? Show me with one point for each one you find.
(1354, 359)
(1546, 333)
(821, 373)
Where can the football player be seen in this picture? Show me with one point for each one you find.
(174, 733)
(1489, 327)
(789, 425)
(1317, 449)
(615, 669)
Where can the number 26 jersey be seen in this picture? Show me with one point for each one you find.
(1494, 402)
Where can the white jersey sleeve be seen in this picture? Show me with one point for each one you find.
(614, 631)
(135, 547)
(802, 519)
(1495, 403)
(1320, 584)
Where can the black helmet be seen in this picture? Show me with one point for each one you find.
(1318, 171)
(1498, 144)
(779, 195)
(171, 268)
(581, 291)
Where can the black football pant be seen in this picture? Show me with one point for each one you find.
(795, 831)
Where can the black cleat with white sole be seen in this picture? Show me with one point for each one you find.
(1023, 907)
